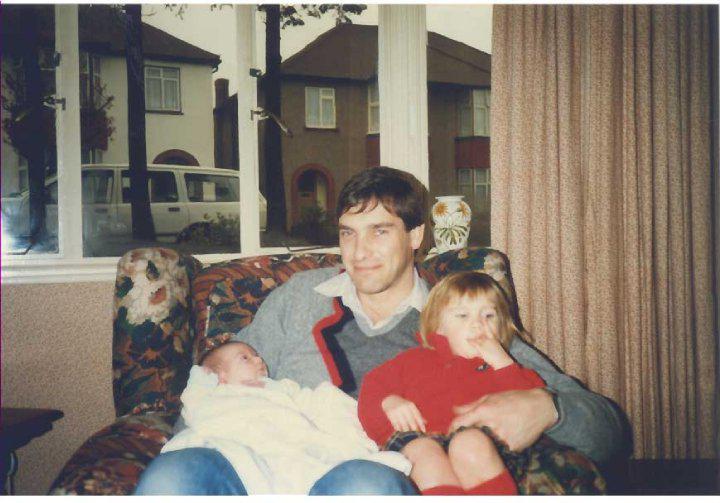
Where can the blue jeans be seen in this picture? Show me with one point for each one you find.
(201, 471)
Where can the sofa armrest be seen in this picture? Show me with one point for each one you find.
(152, 330)
(111, 461)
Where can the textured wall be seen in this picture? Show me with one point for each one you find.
(56, 353)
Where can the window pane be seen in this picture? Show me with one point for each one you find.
(328, 112)
(163, 188)
(312, 106)
(325, 87)
(170, 73)
(187, 58)
(153, 94)
(456, 154)
(97, 186)
(29, 195)
(211, 188)
(374, 94)
(374, 126)
(171, 95)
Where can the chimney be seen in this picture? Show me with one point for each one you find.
(221, 91)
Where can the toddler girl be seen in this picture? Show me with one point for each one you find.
(407, 403)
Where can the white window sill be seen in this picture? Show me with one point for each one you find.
(46, 269)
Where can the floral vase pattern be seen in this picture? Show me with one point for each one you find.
(451, 216)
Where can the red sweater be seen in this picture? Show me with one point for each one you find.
(435, 380)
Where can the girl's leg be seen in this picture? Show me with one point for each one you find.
(431, 467)
(477, 464)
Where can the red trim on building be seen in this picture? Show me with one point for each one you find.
(321, 325)
(372, 150)
(472, 152)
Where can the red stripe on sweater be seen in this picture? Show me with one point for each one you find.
(327, 357)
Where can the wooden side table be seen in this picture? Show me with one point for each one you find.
(17, 428)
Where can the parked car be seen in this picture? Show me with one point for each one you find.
(181, 199)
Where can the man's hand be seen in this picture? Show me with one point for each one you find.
(403, 414)
(516, 417)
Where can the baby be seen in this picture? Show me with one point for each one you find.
(279, 437)
(236, 363)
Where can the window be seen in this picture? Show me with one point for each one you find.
(474, 184)
(97, 186)
(64, 258)
(90, 88)
(373, 108)
(91, 156)
(474, 113)
(320, 107)
(162, 88)
(161, 186)
(211, 188)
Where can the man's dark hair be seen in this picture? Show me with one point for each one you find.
(399, 192)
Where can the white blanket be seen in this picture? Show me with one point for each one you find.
(280, 438)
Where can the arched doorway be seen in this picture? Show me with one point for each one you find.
(312, 188)
(176, 156)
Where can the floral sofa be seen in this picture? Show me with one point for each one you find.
(169, 311)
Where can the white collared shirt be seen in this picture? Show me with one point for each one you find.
(343, 287)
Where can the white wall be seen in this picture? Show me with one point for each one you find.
(192, 131)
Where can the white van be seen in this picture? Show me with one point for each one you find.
(180, 198)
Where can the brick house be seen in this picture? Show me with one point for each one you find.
(329, 102)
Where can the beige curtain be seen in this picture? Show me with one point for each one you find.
(601, 197)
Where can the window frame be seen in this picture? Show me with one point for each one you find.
(69, 265)
(472, 100)
(474, 184)
(321, 108)
(162, 78)
(371, 105)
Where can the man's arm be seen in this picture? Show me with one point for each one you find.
(583, 420)
(587, 421)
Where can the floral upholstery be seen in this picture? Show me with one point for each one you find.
(169, 311)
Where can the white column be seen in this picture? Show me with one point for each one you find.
(247, 131)
(402, 83)
(67, 124)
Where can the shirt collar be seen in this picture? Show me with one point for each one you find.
(343, 287)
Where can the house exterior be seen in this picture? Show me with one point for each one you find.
(178, 93)
(330, 103)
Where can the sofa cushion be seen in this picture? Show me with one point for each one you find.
(226, 296)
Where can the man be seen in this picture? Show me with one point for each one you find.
(325, 324)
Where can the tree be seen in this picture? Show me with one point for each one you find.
(277, 17)
(143, 227)
(27, 97)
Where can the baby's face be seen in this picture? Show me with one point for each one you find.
(241, 364)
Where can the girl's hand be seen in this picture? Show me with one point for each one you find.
(403, 414)
(492, 352)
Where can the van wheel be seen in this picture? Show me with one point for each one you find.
(197, 230)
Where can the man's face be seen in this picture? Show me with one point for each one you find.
(376, 249)
(240, 364)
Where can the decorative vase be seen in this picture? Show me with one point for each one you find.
(451, 216)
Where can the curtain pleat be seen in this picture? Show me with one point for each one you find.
(601, 183)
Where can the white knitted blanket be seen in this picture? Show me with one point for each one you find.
(280, 438)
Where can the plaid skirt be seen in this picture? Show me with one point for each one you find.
(545, 467)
